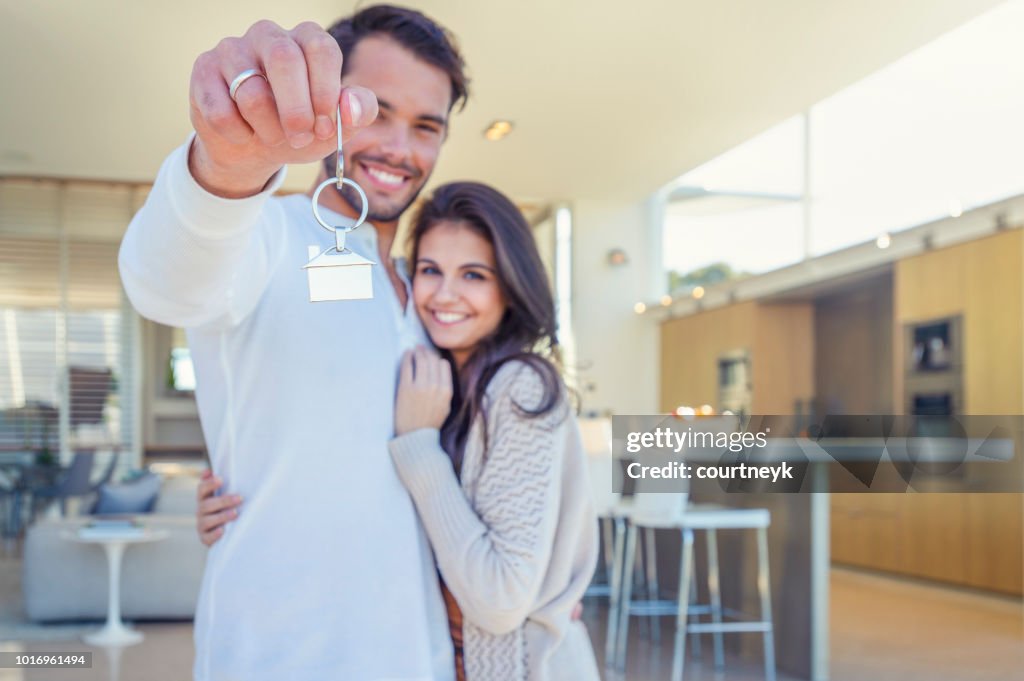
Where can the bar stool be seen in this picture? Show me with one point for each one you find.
(615, 579)
(709, 518)
(712, 518)
(596, 435)
(610, 507)
(644, 510)
(649, 498)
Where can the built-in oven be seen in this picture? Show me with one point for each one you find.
(933, 380)
(735, 393)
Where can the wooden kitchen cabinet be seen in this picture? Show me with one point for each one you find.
(974, 540)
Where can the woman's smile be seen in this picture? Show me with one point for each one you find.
(448, 318)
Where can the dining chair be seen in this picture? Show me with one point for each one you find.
(76, 482)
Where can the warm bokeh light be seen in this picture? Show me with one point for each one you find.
(497, 130)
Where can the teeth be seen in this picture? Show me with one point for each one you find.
(386, 177)
(449, 317)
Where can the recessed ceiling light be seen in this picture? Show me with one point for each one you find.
(497, 130)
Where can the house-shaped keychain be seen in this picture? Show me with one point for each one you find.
(338, 274)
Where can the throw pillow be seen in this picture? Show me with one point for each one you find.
(137, 496)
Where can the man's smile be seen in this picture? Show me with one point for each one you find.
(384, 177)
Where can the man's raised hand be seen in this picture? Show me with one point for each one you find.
(287, 117)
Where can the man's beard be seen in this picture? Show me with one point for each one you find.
(355, 202)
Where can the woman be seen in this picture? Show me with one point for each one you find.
(488, 447)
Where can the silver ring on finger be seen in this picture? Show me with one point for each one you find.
(241, 78)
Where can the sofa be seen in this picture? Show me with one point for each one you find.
(67, 580)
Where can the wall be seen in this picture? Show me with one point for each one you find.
(783, 358)
(778, 336)
(170, 421)
(853, 332)
(617, 350)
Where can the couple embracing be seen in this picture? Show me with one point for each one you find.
(399, 488)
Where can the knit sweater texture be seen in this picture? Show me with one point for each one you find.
(515, 535)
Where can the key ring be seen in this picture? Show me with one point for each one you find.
(340, 180)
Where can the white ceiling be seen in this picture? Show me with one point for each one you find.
(610, 100)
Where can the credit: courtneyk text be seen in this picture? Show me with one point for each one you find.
(677, 470)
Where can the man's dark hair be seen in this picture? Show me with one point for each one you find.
(412, 30)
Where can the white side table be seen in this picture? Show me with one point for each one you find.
(115, 633)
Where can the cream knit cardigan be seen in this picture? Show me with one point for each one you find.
(516, 539)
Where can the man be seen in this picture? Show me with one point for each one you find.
(327, 573)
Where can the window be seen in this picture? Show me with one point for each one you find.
(932, 135)
(66, 334)
(181, 375)
(738, 214)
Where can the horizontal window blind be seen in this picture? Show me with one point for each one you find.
(68, 339)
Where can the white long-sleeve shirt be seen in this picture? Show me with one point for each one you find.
(327, 573)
